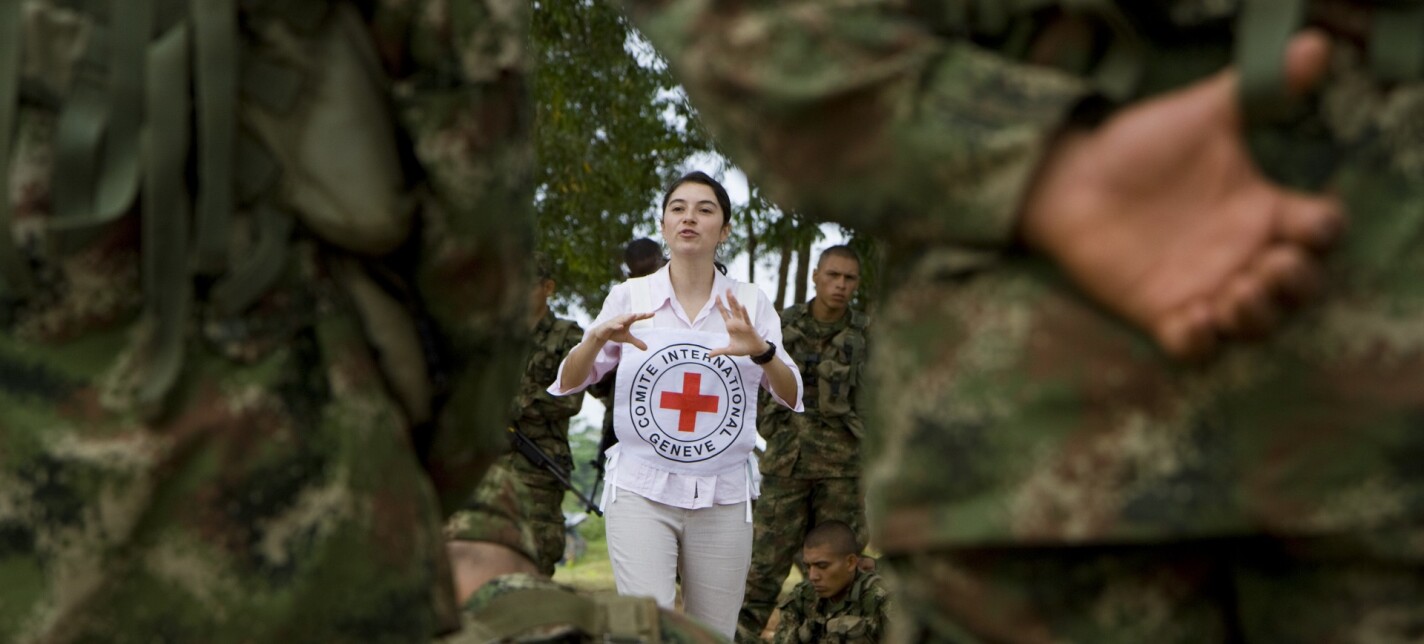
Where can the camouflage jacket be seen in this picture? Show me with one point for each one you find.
(1009, 407)
(541, 416)
(823, 441)
(280, 490)
(859, 617)
(530, 608)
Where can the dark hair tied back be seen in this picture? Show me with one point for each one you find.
(698, 176)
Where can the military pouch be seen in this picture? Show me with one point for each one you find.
(833, 389)
(321, 127)
(525, 615)
(391, 330)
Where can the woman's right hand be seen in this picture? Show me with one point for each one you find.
(619, 330)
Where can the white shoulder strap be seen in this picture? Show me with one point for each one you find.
(640, 300)
(750, 296)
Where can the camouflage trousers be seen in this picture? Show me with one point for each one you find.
(544, 512)
(787, 509)
(1360, 588)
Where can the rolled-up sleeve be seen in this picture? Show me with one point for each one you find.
(768, 324)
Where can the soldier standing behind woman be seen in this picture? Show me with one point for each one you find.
(676, 505)
(811, 468)
(544, 420)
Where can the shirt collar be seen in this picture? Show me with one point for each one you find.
(660, 288)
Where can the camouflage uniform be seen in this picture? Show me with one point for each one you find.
(545, 420)
(274, 485)
(859, 617)
(1014, 413)
(811, 468)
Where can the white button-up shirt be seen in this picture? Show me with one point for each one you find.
(682, 490)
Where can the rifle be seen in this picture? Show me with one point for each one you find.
(531, 451)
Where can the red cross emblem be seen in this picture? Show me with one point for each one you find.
(689, 402)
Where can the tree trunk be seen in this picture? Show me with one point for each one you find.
(751, 255)
(803, 269)
(782, 272)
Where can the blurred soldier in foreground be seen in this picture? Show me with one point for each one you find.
(263, 297)
(811, 468)
(504, 598)
(544, 421)
(1121, 394)
(837, 603)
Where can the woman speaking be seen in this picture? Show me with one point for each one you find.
(692, 348)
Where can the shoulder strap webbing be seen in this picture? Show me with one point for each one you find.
(98, 158)
(166, 288)
(215, 54)
(13, 269)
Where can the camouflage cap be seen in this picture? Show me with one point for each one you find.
(496, 514)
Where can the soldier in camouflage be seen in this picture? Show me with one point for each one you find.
(545, 420)
(837, 603)
(1122, 395)
(264, 272)
(504, 598)
(811, 468)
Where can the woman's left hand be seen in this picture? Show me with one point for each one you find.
(743, 340)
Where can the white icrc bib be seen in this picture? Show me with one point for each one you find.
(676, 408)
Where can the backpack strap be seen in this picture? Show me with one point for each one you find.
(750, 297)
(215, 54)
(13, 269)
(167, 289)
(640, 299)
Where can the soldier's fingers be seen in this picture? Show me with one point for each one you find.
(1307, 60)
(1313, 221)
(1188, 332)
(1248, 308)
(1292, 274)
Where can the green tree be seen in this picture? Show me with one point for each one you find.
(612, 128)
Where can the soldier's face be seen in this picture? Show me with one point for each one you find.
(693, 221)
(836, 280)
(828, 572)
(539, 297)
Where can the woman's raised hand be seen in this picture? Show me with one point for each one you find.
(619, 330)
(743, 339)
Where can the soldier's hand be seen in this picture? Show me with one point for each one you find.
(619, 330)
(1161, 215)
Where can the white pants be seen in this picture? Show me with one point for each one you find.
(649, 543)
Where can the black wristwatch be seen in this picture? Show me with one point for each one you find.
(766, 357)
